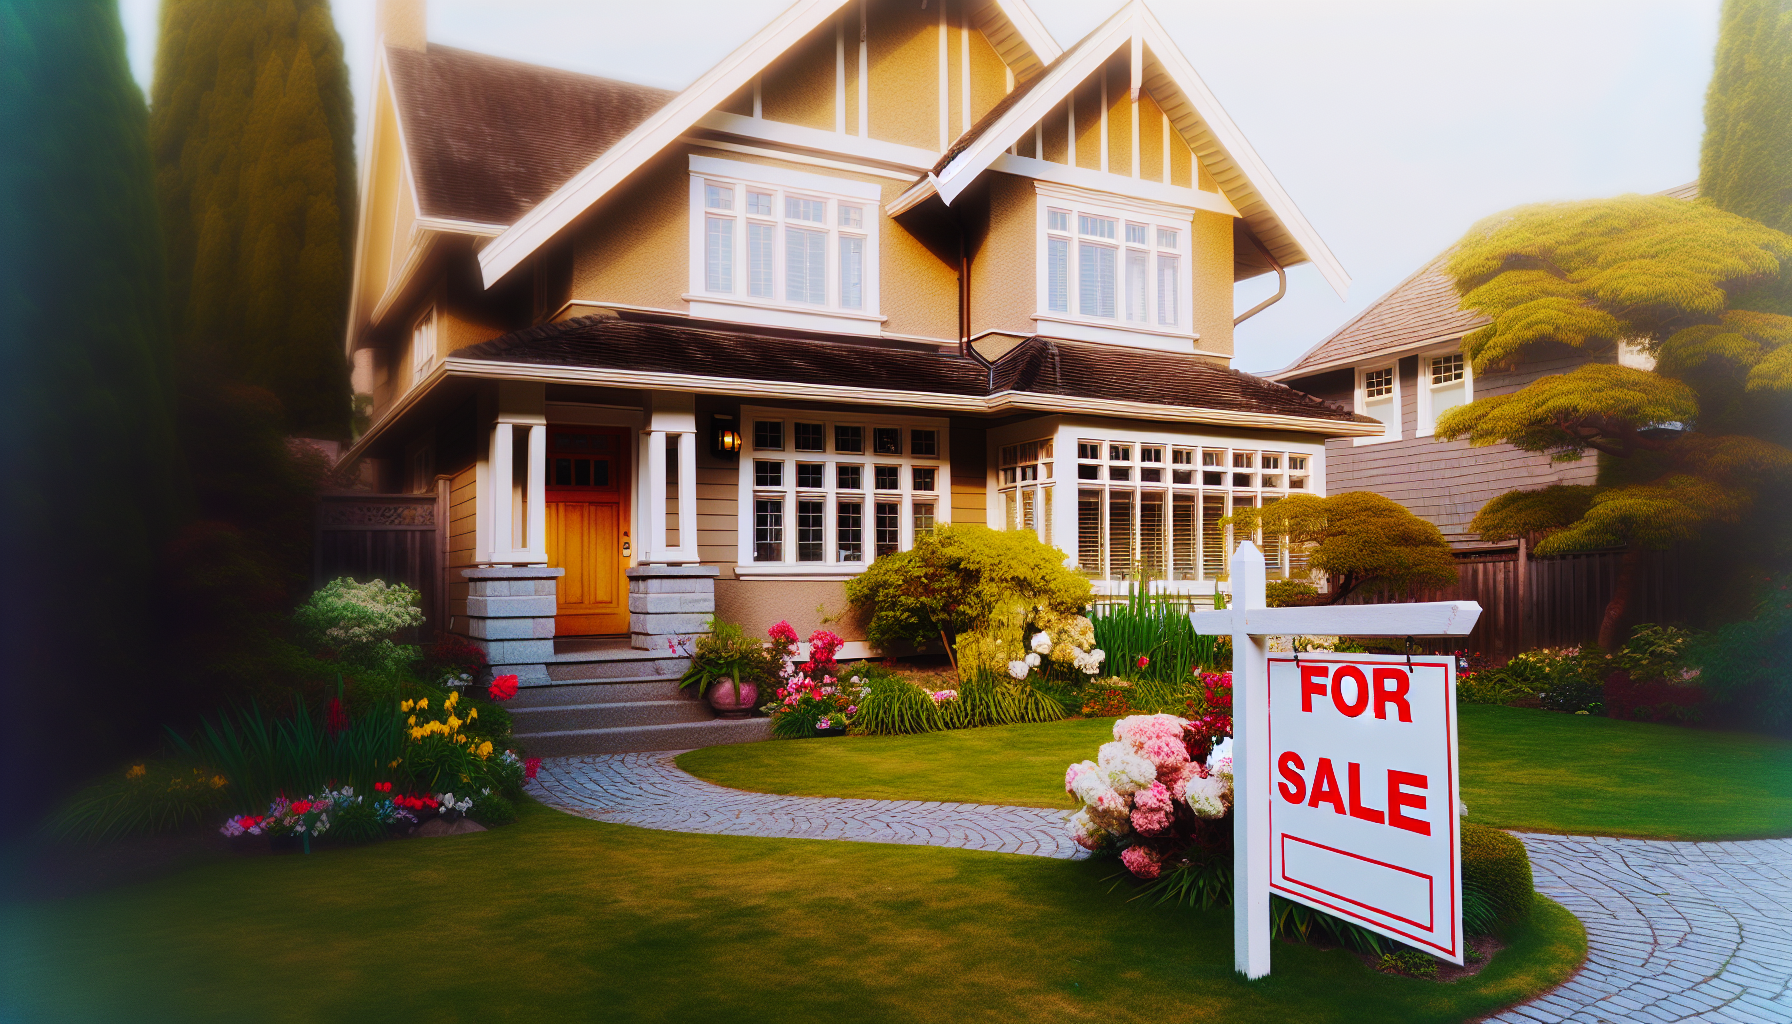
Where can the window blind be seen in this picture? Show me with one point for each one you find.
(1167, 278)
(1137, 275)
(805, 265)
(1095, 280)
(761, 240)
(1057, 273)
(719, 263)
(852, 273)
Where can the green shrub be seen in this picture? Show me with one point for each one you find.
(1284, 593)
(956, 579)
(358, 621)
(1490, 686)
(895, 707)
(1409, 962)
(356, 821)
(1154, 627)
(727, 650)
(492, 809)
(1742, 666)
(1495, 864)
(263, 757)
(143, 799)
(1654, 652)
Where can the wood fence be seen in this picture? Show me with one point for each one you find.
(398, 538)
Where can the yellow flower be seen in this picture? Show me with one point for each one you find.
(453, 698)
(137, 772)
(219, 782)
(453, 723)
(411, 720)
(472, 713)
(485, 749)
(423, 705)
(394, 763)
(406, 705)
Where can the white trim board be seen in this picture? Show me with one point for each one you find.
(801, 180)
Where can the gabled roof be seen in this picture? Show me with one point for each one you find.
(1016, 25)
(1162, 70)
(488, 138)
(1037, 374)
(1422, 310)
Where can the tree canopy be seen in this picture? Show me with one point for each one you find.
(1744, 166)
(1357, 539)
(253, 135)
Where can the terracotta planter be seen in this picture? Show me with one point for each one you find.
(731, 699)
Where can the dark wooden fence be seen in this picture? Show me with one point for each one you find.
(1529, 602)
(394, 537)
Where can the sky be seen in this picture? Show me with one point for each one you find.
(1393, 124)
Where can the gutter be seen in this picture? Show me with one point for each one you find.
(1281, 283)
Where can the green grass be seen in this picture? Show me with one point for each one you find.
(557, 918)
(1521, 769)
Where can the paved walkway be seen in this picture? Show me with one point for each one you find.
(1696, 932)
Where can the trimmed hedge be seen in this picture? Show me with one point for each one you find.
(1496, 865)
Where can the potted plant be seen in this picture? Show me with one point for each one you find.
(726, 666)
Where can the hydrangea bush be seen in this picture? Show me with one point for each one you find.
(358, 621)
(1160, 794)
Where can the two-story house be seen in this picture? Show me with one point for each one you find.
(889, 265)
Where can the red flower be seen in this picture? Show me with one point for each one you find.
(503, 688)
(302, 807)
(531, 766)
(782, 632)
(382, 787)
(335, 718)
(1143, 661)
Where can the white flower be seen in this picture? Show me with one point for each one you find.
(1042, 643)
(1098, 655)
(1125, 770)
(1032, 661)
(1017, 669)
(1207, 796)
(1089, 786)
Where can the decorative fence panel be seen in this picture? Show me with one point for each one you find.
(393, 537)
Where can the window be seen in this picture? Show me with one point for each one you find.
(1151, 453)
(784, 242)
(1378, 397)
(1107, 265)
(1119, 453)
(1025, 477)
(820, 493)
(423, 345)
(1447, 384)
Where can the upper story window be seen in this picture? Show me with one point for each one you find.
(1112, 266)
(1378, 396)
(778, 239)
(423, 345)
(1446, 381)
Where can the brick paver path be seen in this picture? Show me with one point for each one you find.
(650, 791)
(1698, 932)
(1675, 931)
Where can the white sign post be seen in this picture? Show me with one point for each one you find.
(1368, 745)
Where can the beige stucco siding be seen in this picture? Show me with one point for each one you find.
(1002, 268)
(1055, 130)
(635, 248)
(1151, 139)
(798, 87)
(1211, 246)
(989, 77)
(808, 605)
(1088, 123)
(903, 44)
(1119, 117)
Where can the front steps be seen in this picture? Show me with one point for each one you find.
(604, 697)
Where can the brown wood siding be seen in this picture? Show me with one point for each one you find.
(463, 521)
(969, 473)
(718, 504)
(1445, 482)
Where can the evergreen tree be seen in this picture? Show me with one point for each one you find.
(1746, 165)
(1688, 447)
(253, 134)
(86, 425)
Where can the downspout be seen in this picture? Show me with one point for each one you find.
(1281, 284)
(965, 348)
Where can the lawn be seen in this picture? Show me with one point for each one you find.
(559, 918)
(1522, 769)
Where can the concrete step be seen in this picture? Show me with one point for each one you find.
(598, 693)
(528, 722)
(674, 736)
(582, 668)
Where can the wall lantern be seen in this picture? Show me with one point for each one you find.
(727, 439)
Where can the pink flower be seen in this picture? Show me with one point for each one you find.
(1142, 861)
(782, 632)
(1152, 823)
(1165, 751)
(1143, 661)
(1155, 797)
(531, 766)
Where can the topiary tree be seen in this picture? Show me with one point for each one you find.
(1354, 539)
(1689, 445)
(956, 580)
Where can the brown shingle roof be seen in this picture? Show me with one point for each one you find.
(1422, 308)
(489, 138)
(658, 344)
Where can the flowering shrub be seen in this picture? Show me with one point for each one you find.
(438, 751)
(311, 816)
(1107, 702)
(357, 621)
(810, 696)
(1159, 794)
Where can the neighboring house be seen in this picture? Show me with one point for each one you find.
(1400, 362)
(889, 265)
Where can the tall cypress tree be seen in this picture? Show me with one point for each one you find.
(1746, 164)
(253, 134)
(86, 420)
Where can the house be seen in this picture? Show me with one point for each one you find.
(889, 265)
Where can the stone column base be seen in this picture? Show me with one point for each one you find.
(510, 616)
(668, 604)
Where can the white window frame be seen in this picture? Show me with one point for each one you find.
(737, 303)
(423, 344)
(1072, 322)
(1427, 425)
(1394, 431)
(831, 567)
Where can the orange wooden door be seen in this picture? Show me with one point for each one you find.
(587, 513)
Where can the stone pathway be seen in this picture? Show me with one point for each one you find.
(1695, 932)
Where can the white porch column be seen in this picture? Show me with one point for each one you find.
(535, 493)
(687, 495)
(503, 534)
(656, 496)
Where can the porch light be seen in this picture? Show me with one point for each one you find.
(727, 439)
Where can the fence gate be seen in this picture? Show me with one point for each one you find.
(394, 537)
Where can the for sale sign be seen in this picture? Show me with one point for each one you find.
(1363, 797)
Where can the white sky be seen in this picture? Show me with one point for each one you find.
(1394, 124)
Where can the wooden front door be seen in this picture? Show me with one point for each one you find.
(587, 512)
